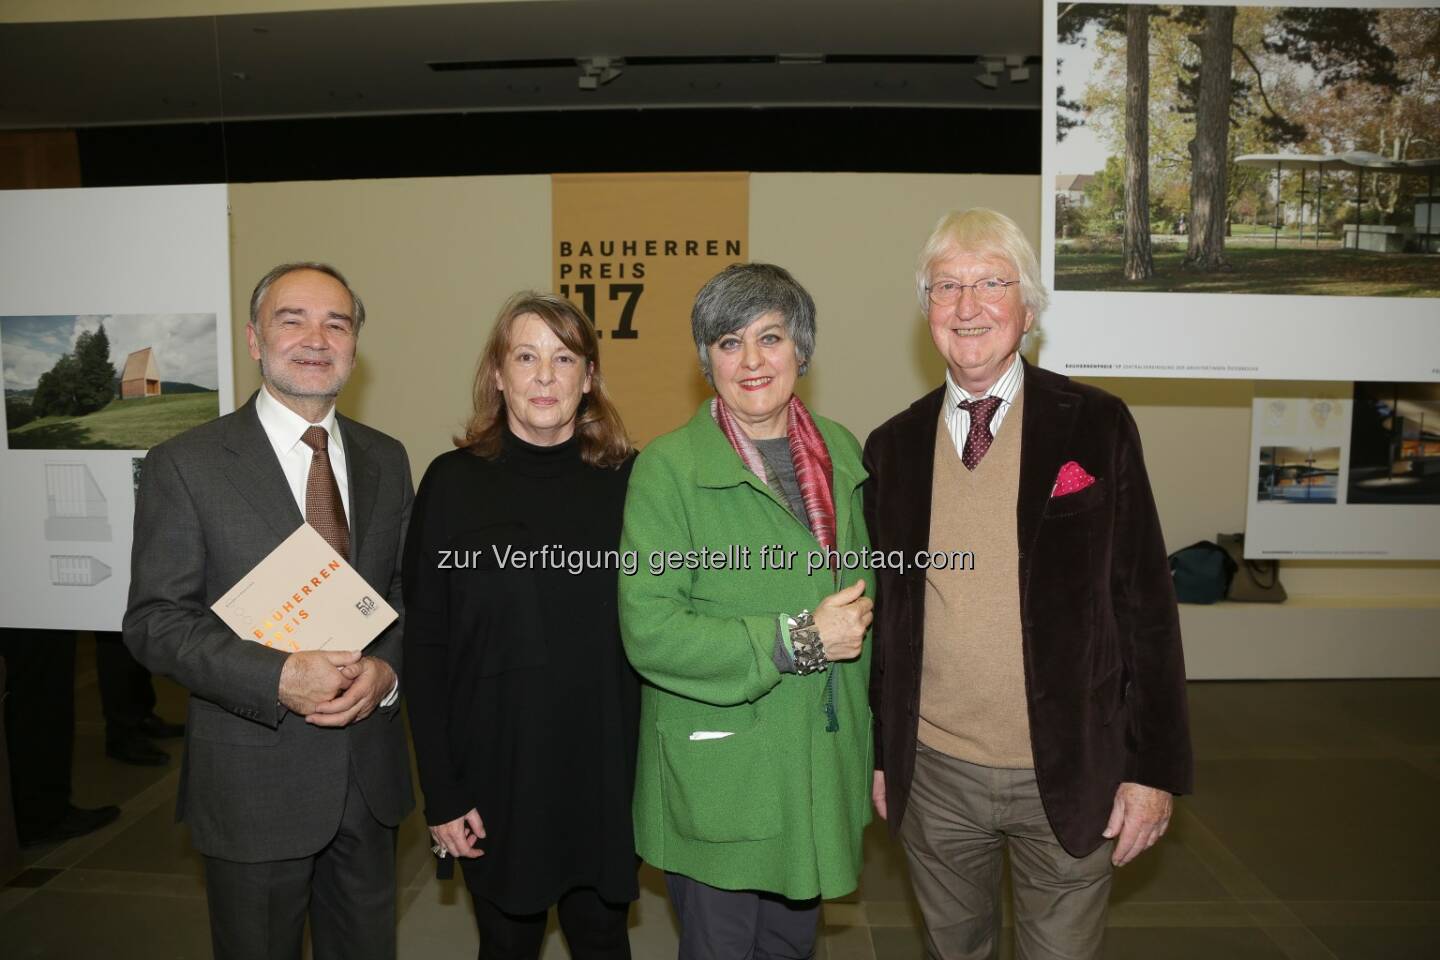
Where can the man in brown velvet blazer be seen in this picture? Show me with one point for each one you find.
(1029, 692)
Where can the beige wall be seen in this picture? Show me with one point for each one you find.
(851, 239)
(434, 258)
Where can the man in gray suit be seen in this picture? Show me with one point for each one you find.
(296, 772)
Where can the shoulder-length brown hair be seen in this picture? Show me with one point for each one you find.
(603, 442)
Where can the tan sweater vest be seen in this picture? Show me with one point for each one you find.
(972, 687)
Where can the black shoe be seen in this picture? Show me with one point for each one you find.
(158, 728)
(136, 750)
(76, 822)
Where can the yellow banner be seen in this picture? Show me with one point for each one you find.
(632, 250)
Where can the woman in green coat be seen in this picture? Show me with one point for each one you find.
(747, 621)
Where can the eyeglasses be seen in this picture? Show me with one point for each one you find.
(945, 292)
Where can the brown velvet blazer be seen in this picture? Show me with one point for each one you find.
(1104, 671)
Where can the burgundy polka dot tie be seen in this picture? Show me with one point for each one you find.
(324, 510)
(978, 440)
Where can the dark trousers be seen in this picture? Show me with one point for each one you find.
(720, 924)
(594, 929)
(39, 723)
(127, 694)
(257, 910)
(961, 820)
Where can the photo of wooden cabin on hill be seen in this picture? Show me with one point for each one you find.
(141, 377)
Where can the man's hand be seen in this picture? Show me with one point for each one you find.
(312, 677)
(877, 795)
(1140, 817)
(461, 836)
(373, 681)
(842, 619)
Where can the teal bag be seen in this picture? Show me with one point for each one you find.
(1202, 572)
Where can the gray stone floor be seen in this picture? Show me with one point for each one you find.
(1314, 835)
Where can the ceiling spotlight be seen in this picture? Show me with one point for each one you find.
(595, 72)
(994, 66)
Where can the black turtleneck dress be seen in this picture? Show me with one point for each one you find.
(521, 701)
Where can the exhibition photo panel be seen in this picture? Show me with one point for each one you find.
(1228, 187)
(1361, 459)
(114, 337)
(87, 383)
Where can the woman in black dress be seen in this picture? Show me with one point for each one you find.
(522, 704)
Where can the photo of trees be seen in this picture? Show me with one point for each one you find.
(1249, 149)
(106, 382)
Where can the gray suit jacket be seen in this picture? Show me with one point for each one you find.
(258, 782)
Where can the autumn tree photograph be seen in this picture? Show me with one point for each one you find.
(1247, 149)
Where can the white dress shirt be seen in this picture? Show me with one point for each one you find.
(957, 421)
(283, 428)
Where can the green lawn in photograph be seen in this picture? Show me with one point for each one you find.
(1261, 269)
(123, 425)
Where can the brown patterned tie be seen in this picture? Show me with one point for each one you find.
(324, 510)
(978, 440)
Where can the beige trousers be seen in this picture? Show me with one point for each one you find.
(960, 819)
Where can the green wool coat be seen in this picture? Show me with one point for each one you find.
(780, 803)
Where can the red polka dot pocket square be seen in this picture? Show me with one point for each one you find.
(1072, 478)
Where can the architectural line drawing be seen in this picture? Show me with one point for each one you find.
(76, 571)
(75, 507)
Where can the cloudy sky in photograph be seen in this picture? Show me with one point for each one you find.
(1081, 151)
(183, 344)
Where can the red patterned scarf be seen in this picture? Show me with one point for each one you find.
(813, 469)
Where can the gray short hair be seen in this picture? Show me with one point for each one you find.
(357, 306)
(742, 293)
(986, 233)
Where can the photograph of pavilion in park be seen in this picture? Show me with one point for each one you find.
(1248, 149)
(1395, 443)
(1298, 475)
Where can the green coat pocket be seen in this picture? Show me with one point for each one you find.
(720, 789)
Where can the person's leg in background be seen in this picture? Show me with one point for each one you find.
(127, 698)
(40, 736)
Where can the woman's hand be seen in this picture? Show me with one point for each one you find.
(842, 619)
(459, 837)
